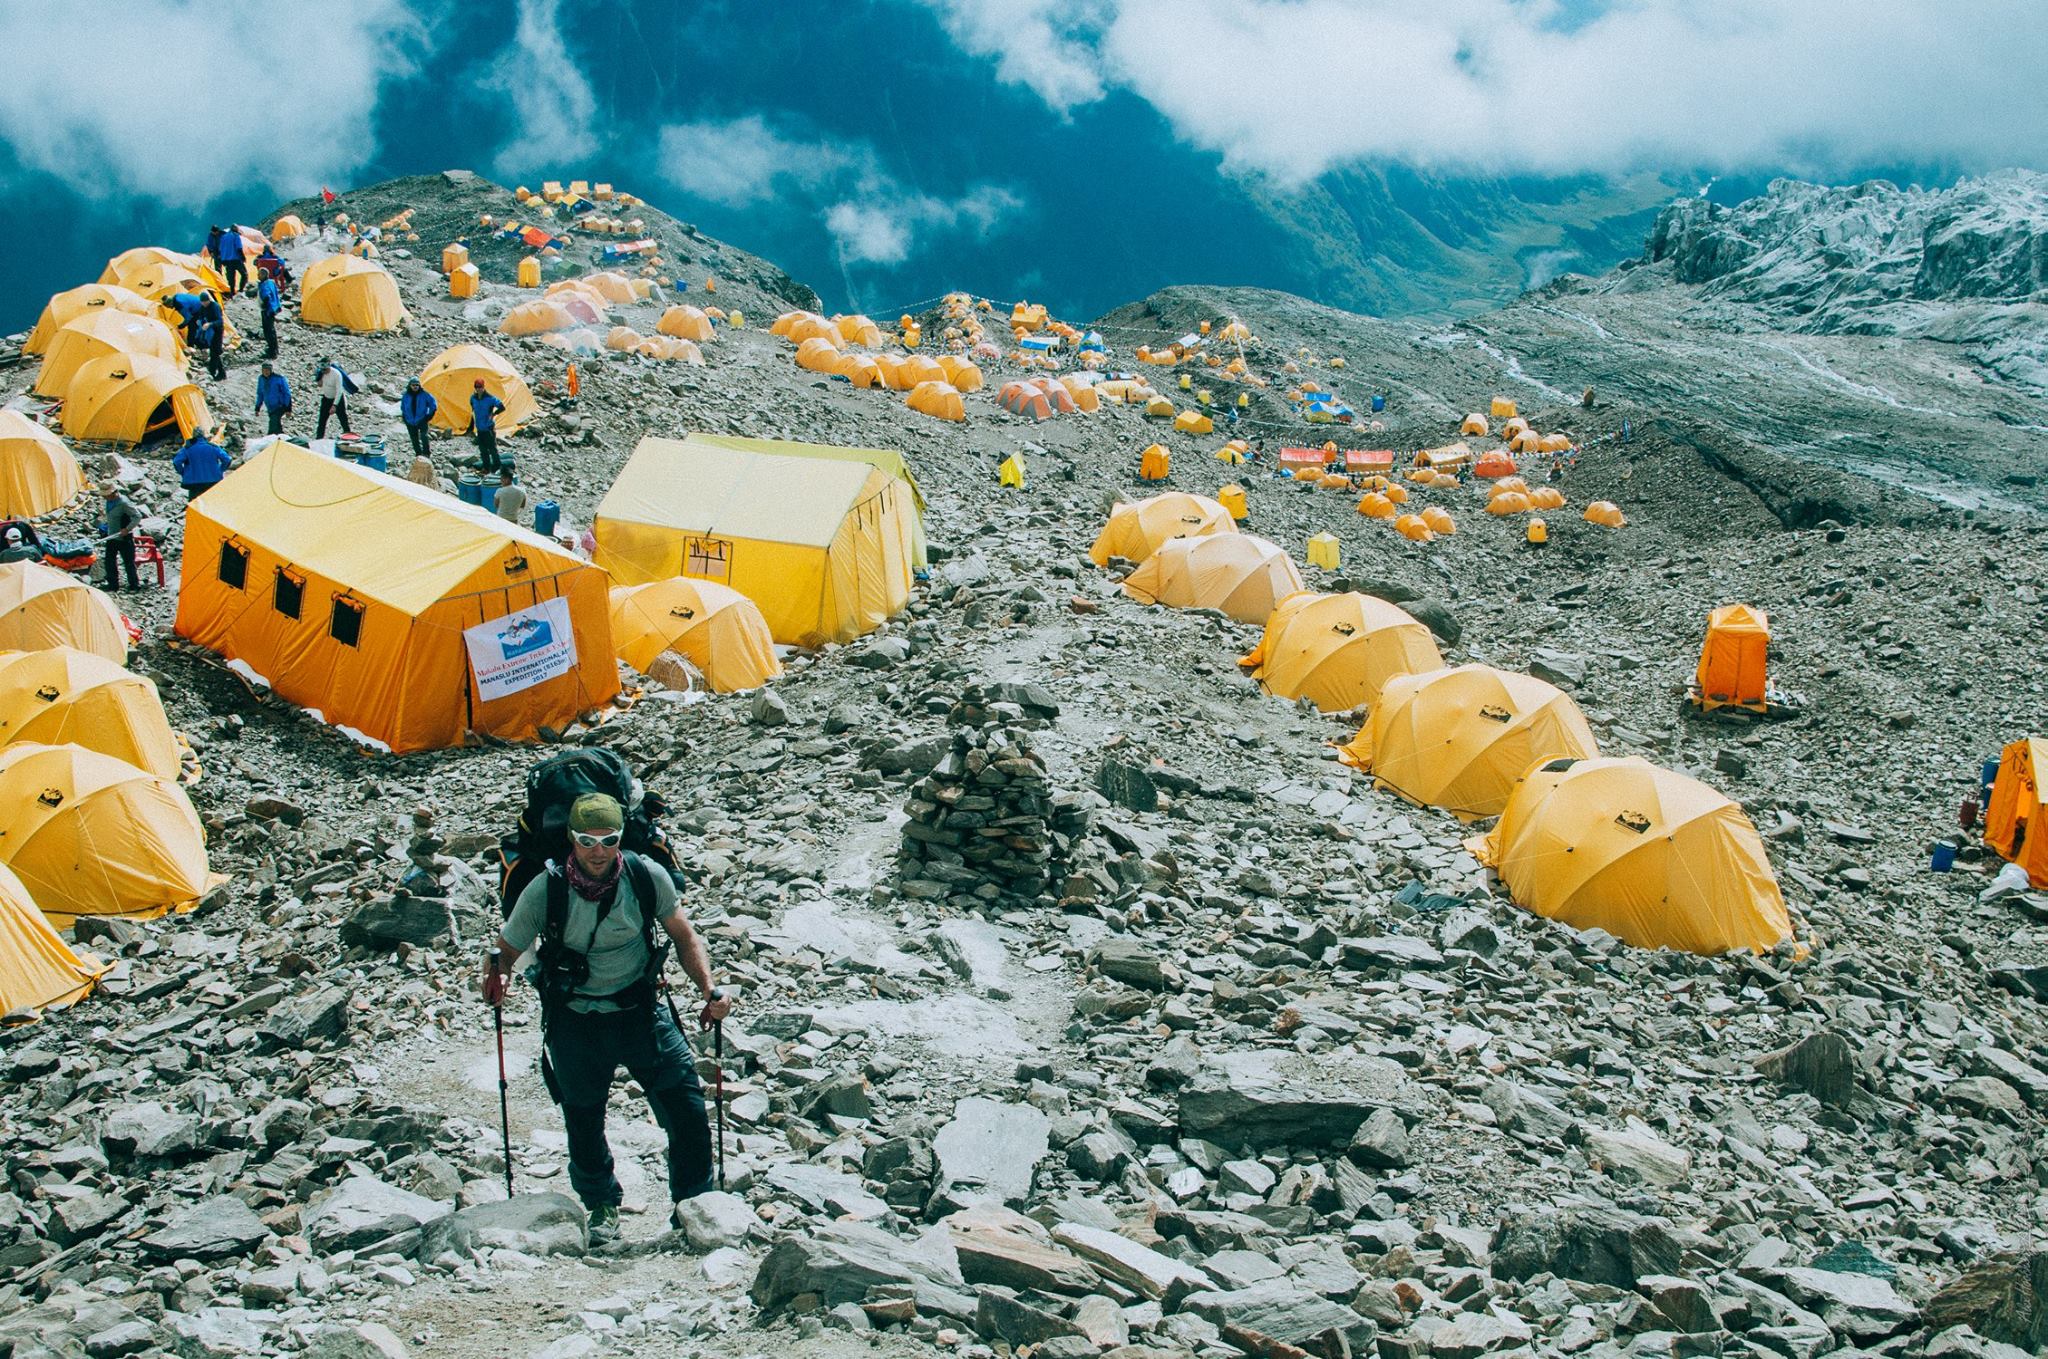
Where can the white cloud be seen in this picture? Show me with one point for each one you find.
(552, 104)
(882, 231)
(185, 102)
(741, 161)
(1295, 87)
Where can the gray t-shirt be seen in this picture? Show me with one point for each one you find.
(510, 501)
(618, 956)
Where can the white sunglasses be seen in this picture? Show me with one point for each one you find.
(589, 841)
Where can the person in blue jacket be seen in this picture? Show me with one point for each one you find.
(200, 464)
(212, 328)
(234, 259)
(188, 306)
(269, 301)
(417, 409)
(484, 410)
(273, 394)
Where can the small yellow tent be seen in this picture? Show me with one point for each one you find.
(42, 607)
(352, 293)
(154, 260)
(1473, 424)
(83, 301)
(714, 627)
(97, 335)
(1135, 530)
(1654, 858)
(541, 317)
(38, 970)
(685, 323)
(451, 378)
(858, 330)
(2014, 823)
(64, 696)
(396, 612)
(1242, 575)
(286, 227)
(823, 545)
(964, 374)
(818, 355)
(88, 834)
(1605, 513)
(940, 400)
(37, 472)
(1732, 660)
(1337, 651)
(1193, 422)
(911, 371)
(123, 398)
(1502, 408)
(1459, 738)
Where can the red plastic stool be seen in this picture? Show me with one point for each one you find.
(148, 553)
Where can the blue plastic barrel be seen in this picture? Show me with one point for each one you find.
(1944, 857)
(376, 462)
(1379, 403)
(545, 516)
(471, 490)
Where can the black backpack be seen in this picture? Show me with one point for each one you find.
(543, 832)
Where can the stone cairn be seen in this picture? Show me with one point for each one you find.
(986, 829)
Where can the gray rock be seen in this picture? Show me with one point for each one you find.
(1823, 1065)
(1855, 1305)
(1518, 1108)
(74, 1220)
(1565, 669)
(827, 1190)
(1381, 1141)
(1593, 1244)
(1127, 960)
(1284, 1311)
(397, 920)
(2030, 1081)
(1250, 1099)
(996, 1245)
(321, 1013)
(149, 1132)
(2004, 1298)
(1471, 1334)
(532, 1224)
(1139, 1268)
(361, 1340)
(216, 1331)
(1395, 952)
(840, 1261)
(1000, 1316)
(713, 1220)
(1685, 1305)
(1127, 785)
(991, 1148)
(878, 653)
(218, 1228)
(767, 709)
(1648, 1158)
(364, 1212)
(117, 1341)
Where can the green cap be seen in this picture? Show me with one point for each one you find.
(596, 812)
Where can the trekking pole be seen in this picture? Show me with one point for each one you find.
(718, 1089)
(504, 1099)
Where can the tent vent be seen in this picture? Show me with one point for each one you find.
(234, 565)
(289, 593)
(1634, 821)
(1494, 713)
(1559, 766)
(514, 564)
(345, 622)
(48, 693)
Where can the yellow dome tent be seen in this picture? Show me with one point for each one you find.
(611, 285)
(87, 300)
(38, 970)
(1656, 859)
(965, 374)
(713, 626)
(1135, 530)
(1546, 498)
(397, 612)
(1337, 651)
(98, 335)
(452, 376)
(64, 696)
(685, 323)
(37, 472)
(1605, 513)
(1376, 505)
(88, 834)
(823, 540)
(1439, 520)
(159, 263)
(1459, 738)
(858, 330)
(1193, 422)
(352, 293)
(1473, 424)
(127, 398)
(2016, 820)
(540, 317)
(670, 350)
(42, 607)
(798, 326)
(1242, 575)
(1734, 658)
(1508, 502)
(940, 400)
(623, 339)
(909, 371)
(286, 227)
(817, 355)
(1414, 528)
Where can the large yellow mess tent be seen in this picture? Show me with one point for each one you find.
(886, 460)
(1654, 858)
(451, 378)
(1459, 738)
(2016, 820)
(86, 300)
(97, 335)
(129, 398)
(38, 474)
(714, 627)
(64, 696)
(1338, 650)
(42, 607)
(1242, 575)
(823, 544)
(88, 834)
(397, 612)
(38, 970)
(1137, 528)
(352, 293)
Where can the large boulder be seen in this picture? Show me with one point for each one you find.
(364, 1212)
(532, 1224)
(218, 1228)
(991, 1148)
(1593, 1244)
(1824, 1066)
(839, 1262)
(1285, 1311)
(2004, 1298)
(1268, 1099)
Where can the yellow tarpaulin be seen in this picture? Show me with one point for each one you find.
(2016, 821)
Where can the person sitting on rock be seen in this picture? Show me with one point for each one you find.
(594, 917)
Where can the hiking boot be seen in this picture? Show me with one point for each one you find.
(604, 1224)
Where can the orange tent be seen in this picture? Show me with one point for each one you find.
(1732, 661)
(2014, 823)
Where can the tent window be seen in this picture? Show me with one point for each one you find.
(708, 558)
(345, 623)
(234, 566)
(288, 594)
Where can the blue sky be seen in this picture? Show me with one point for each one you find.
(884, 150)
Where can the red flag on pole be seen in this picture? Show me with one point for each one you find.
(326, 194)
